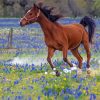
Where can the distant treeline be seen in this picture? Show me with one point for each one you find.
(69, 8)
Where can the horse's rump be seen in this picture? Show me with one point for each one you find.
(75, 34)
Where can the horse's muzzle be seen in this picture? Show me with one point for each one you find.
(21, 24)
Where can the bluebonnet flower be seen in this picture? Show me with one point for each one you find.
(24, 88)
(42, 78)
(62, 92)
(78, 94)
(35, 80)
(39, 98)
(42, 86)
(68, 90)
(19, 97)
(33, 68)
(92, 97)
(6, 70)
(81, 80)
(8, 98)
(55, 93)
(6, 89)
(86, 88)
(16, 82)
(66, 97)
(12, 92)
(74, 76)
(30, 87)
(29, 98)
(79, 87)
(40, 68)
(44, 92)
(49, 92)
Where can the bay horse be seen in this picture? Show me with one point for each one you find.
(62, 37)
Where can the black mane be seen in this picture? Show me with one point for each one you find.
(47, 11)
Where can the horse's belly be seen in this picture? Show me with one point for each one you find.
(54, 45)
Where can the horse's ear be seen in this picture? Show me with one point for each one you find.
(35, 5)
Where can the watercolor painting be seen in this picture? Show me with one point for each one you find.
(49, 50)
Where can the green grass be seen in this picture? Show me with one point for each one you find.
(55, 83)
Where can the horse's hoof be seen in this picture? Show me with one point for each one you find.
(88, 71)
(73, 68)
(57, 73)
(79, 72)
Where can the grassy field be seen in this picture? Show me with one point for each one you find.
(26, 75)
(34, 84)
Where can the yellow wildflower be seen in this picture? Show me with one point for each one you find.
(64, 79)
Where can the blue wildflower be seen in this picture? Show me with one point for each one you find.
(42, 78)
(78, 94)
(45, 93)
(20, 97)
(92, 97)
(81, 79)
(66, 97)
(30, 87)
(86, 88)
(12, 92)
(8, 98)
(68, 90)
(40, 68)
(50, 92)
(55, 93)
(74, 76)
(24, 88)
(62, 92)
(33, 68)
(16, 82)
(39, 98)
(79, 87)
(29, 98)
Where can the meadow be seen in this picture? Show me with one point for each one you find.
(26, 75)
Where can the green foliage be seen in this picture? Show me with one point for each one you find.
(75, 8)
(97, 4)
(96, 7)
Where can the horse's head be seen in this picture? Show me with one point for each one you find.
(31, 16)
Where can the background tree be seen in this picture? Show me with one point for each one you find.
(73, 8)
(96, 8)
(1, 8)
(8, 7)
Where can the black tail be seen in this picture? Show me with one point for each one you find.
(87, 21)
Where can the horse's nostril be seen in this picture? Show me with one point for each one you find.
(21, 24)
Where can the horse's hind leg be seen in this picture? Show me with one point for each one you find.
(86, 46)
(79, 58)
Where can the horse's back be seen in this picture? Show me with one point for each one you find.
(74, 33)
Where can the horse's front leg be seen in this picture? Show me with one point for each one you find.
(50, 55)
(65, 50)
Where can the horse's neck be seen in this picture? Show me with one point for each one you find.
(45, 24)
